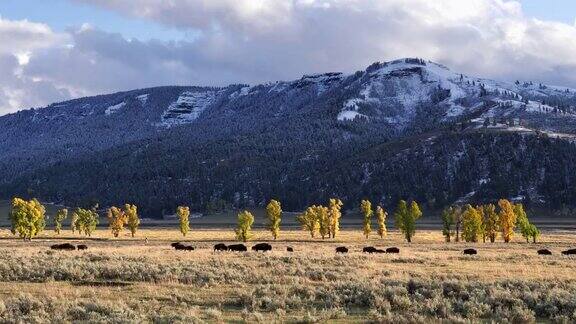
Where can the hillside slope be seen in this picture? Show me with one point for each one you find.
(402, 129)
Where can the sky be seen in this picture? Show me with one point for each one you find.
(54, 50)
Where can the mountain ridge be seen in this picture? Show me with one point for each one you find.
(187, 145)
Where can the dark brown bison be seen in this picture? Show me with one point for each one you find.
(392, 250)
(470, 252)
(569, 252)
(182, 247)
(262, 247)
(82, 247)
(237, 248)
(544, 252)
(342, 249)
(289, 249)
(63, 246)
(379, 251)
(220, 247)
(369, 249)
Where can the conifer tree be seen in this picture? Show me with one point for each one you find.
(366, 210)
(274, 215)
(381, 216)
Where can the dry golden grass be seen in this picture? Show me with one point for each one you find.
(129, 279)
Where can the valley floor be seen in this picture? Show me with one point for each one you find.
(131, 280)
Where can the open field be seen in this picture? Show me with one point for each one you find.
(127, 279)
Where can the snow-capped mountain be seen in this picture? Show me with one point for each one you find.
(245, 144)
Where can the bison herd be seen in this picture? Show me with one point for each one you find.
(264, 247)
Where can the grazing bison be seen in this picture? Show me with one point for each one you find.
(220, 247)
(569, 252)
(341, 249)
(470, 252)
(262, 247)
(289, 249)
(544, 252)
(369, 249)
(63, 246)
(82, 247)
(237, 248)
(392, 250)
(379, 251)
(182, 247)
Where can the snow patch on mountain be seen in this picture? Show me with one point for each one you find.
(143, 99)
(114, 109)
(187, 108)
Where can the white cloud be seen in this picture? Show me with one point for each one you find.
(261, 40)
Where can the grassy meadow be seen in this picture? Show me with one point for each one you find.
(134, 280)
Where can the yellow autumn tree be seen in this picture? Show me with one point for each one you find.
(471, 224)
(60, 216)
(183, 213)
(309, 221)
(321, 214)
(381, 216)
(406, 216)
(334, 214)
(507, 219)
(85, 220)
(244, 228)
(491, 222)
(132, 218)
(366, 210)
(117, 218)
(274, 215)
(28, 218)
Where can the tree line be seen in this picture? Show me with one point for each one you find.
(467, 223)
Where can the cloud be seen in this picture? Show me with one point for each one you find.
(252, 41)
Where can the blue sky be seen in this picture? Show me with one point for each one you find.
(53, 50)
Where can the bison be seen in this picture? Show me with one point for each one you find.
(470, 252)
(369, 249)
(342, 249)
(379, 251)
(182, 247)
(569, 252)
(262, 247)
(220, 247)
(544, 252)
(237, 248)
(289, 249)
(82, 247)
(392, 250)
(63, 246)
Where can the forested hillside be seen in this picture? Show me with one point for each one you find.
(403, 129)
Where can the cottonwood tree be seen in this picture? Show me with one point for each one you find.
(244, 228)
(381, 216)
(274, 215)
(406, 217)
(321, 214)
(507, 219)
(117, 218)
(132, 218)
(334, 214)
(471, 224)
(73, 220)
(309, 221)
(491, 222)
(366, 210)
(86, 220)
(527, 229)
(60, 216)
(28, 218)
(183, 213)
(482, 215)
(448, 221)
